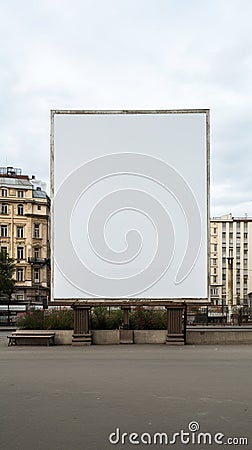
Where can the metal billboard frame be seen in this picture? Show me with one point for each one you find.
(128, 301)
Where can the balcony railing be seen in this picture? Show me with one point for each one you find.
(38, 261)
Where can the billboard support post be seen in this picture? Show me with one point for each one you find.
(82, 334)
(175, 334)
(126, 311)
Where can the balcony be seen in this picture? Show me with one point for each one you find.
(38, 261)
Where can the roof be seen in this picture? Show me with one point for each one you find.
(36, 193)
(19, 183)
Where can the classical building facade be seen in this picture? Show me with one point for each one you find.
(231, 260)
(24, 233)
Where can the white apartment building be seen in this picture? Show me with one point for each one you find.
(230, 260)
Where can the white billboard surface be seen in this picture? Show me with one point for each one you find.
(130, 204)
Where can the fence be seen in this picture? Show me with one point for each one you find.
(218, 315)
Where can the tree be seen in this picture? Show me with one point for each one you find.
(7, 269)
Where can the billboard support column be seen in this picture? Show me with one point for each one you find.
(175, 334)
(126, 311)
(82, 334)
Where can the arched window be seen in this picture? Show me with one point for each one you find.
(20, 210)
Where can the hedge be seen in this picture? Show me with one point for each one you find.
(102, 318)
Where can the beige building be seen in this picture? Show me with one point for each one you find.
(24, 234)
(230, 260)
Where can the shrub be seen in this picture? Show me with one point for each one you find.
(104, 319)
(140, 319)
(59, 319)
(54, 319)
(144, 319)
(31, 320)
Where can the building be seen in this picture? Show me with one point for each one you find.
(24, 234)
(230, 260)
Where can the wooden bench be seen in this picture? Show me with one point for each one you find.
(16, 337)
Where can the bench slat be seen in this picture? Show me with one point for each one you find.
(27, 333)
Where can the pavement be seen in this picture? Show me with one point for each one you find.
(73, 398)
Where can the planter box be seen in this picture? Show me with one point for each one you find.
(150, 336)
(105, 337)
(211, 336)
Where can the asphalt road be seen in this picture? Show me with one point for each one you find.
(72, 398)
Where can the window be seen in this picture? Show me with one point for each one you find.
(36, 275)
(214, 291)
(4, 209)
(20, 194)
(4, 250)
(20, 232)
(20, 296)
(39, 207)
(20, 274)
(4, 192)
(215, 230)
(215, 279)
(215, 247)
(20, 210)
(20, 252)
(36, 230)
(238, 226)
(36, 253)
(245, 235)
(245, 226)
(214, 261)
(4, 230)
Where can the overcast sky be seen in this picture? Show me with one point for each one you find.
(130, 54)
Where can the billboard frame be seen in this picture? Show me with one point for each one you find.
(129, 301)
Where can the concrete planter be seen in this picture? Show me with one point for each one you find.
(112, 337)
(63, 337)
(195, 336)
(105, 337)
(150, 336)
(211, 336)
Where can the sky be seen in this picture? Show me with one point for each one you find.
(130, 54)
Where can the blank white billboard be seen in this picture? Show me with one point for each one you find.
(130, 204)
